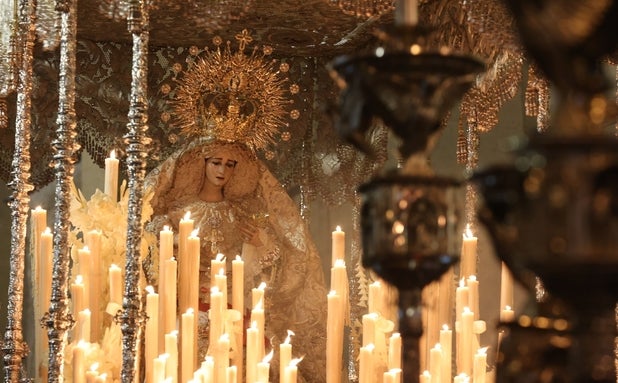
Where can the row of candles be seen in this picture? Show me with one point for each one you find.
(162, 332)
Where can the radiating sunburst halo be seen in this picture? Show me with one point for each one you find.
(236, 97)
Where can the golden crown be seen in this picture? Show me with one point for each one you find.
(235, 97)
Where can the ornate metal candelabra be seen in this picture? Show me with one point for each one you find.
(408, 218)
(553, 215)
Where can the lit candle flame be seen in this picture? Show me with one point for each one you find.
(339, 263)
(262, 286)
(482, 351)
(166, 228)
(267, 358)
(338, 228)
(187, 216)
(189, 311)
(220, 257)
(445, 327)
(468, 232)
(288, 338)
(472, 278)
(150, 290)
(195, 233)
(112, 154)
(238, 258)
(94, 366)
(295, 361)
(79, 280)
(221, 272)
(47, 230)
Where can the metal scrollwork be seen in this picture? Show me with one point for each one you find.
(14, 347)
(132, 316)
(59, 320)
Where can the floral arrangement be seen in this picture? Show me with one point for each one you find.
(110, 218)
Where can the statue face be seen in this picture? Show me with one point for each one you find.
(219, 168)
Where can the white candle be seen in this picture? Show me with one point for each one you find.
(291, 371)
(111, 176)
(468, 254)
(169, 296)
(369, 328)
(238, 286)
(46, 264)
(252, 352)
(77, 295)
(334, 338)
(257, 294)
(338, 245)
(480, 366)
(285, 353)
(158, 368)
(79, 373)
(258, 317)
(185, 228)
(193, 278)
(115, 284)
(171, 349)
(208, 369)
(394, 351)
(467, 331)
(435, 363)
(152, 330)
(83, 325)
(446, 343)
(222, 358)
(506, 287)
(473, 295)
(263, 368)
(92, 373)
(221, 284)
(366, 364)
(507, 314)
(425, 377)
(216, 264)
(215, 315)
(375, 294)
(95, 278)
(232, 374)
(187, 341)
(238, 304)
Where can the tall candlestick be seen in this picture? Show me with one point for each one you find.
(111, 176)
(369, 328)
(338, 245)
(373, 301)
(193, 278)
(158, 369)
(507, 314)
(217, 264)
(152, 330)
(232, 375)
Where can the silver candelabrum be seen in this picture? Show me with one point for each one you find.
(553, 214)
(409, 219)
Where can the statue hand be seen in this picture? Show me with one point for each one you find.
(250, 234)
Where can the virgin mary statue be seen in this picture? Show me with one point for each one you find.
(240, 208)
